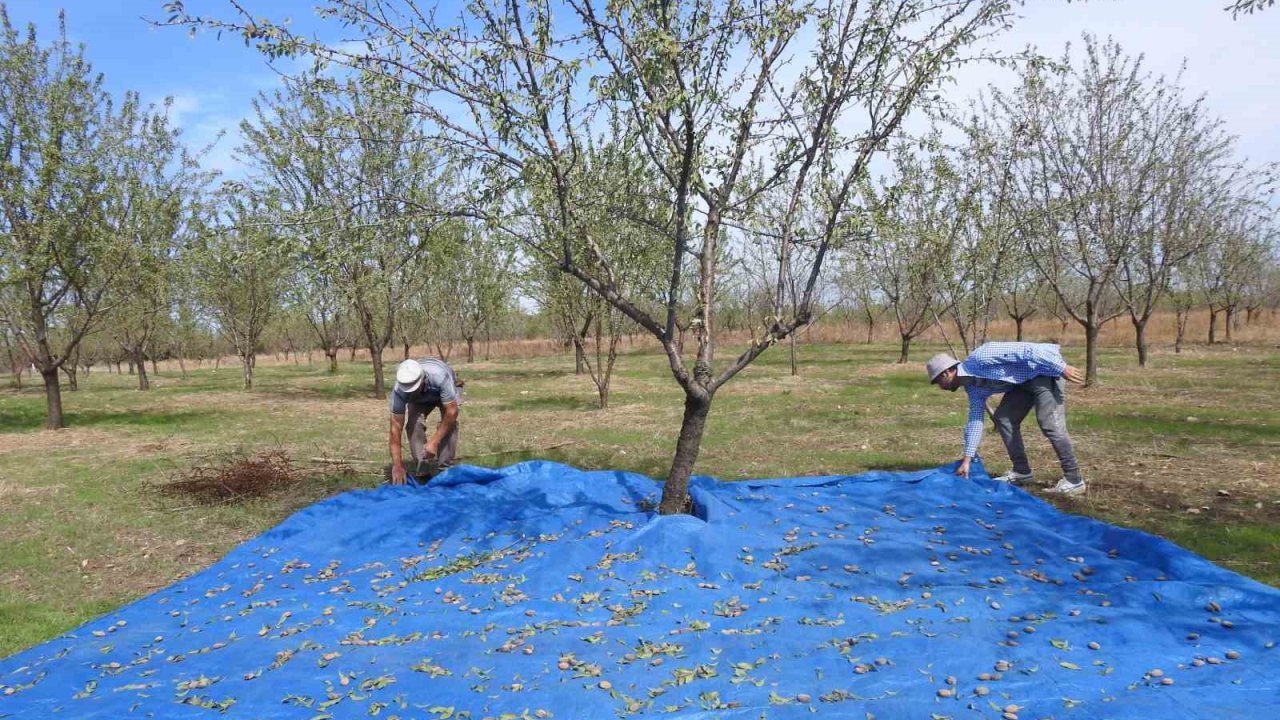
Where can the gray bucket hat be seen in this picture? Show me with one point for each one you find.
(938, 364)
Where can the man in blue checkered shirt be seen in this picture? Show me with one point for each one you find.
(1029, 375)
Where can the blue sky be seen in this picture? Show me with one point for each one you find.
(1236, 63)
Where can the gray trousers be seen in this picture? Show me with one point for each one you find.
(1049, 397)
(415, 425)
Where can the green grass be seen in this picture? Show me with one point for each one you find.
(85, 529)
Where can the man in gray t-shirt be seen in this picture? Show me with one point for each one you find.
(422, 386)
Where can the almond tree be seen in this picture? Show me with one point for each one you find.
(729, 99)
(909, 256)
(156, 184)
(1086, 176)
(61, 266)
(353, 174)
(240, 265)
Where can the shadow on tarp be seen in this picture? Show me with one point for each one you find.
(538, 590)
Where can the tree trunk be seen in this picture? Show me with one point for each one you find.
(155, 369)
(1213, 326)
(1140, 339)
(1091, 331)
(379, 383)
(906, 349)
(1182, 316)
(471, 349)
(675, 493)
(1228, 321)
(333, 360)
(579, 366)
(53, 400)
(73, 383)
(246, 361)
(131, 366)
(1020, 321)
(141, 363)
(871, 330)
(182, 365)
(794, 370)
(406, 351)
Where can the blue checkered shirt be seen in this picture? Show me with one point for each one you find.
(998, 367)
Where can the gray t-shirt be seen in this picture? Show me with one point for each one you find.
(438, 387)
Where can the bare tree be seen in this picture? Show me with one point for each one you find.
(1087, 175)
(1191, 152)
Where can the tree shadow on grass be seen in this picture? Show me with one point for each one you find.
(509, 374)
(26, 419)
(551, 402)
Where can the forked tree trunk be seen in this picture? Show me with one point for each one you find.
(333, 360)
(675, 493)
(1140, 340)
(73, 383)
(246, 362)
(139, 362)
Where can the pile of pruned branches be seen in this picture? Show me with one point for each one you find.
(236, 478)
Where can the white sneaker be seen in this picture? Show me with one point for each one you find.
(1064, 487)
(1013, 477)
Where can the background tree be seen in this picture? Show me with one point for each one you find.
(914, 232)
(155, 184)
(1087, 175)
(60, 265)
(976, 180)
(240, 268)
(1244, 235)
(1191, 151)
(356, 178)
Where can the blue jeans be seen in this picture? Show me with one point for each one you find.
(1049, 397)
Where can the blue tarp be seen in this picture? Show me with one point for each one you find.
(542, 591)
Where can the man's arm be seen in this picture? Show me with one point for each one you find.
(397, 459)
(973, 427)
(448, 421)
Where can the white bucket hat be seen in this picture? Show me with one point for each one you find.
(939, 364)
(409, 375)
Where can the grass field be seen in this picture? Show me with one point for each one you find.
(1187, 449)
